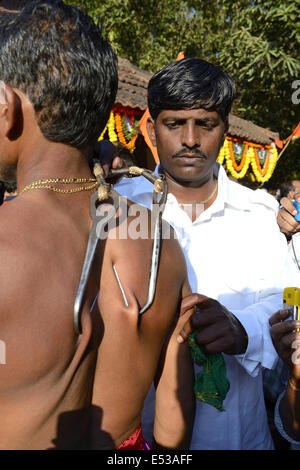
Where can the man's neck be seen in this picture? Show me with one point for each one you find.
(56, 161)
(188, 194)
(194, 198)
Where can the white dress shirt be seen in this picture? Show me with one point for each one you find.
(235, 254)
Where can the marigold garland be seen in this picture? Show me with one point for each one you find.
(249, 157)
(102, 133)
(264, 174)
(237, 171)
(130, 145)
(115, 124)
(119, 129)
(111, 128)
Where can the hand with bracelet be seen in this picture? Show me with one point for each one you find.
(286, 340)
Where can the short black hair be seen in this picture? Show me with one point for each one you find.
(191, 83)
(55, 54)
(285, 188)
(5, 18)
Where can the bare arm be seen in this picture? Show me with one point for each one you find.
(175, 401)
(130, 352)
(286, 340)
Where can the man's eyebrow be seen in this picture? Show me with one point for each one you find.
(174, 118)
(210, 120)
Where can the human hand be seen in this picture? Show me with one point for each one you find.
(219, 329)
(108, 156)
(286, 339)
(286, 216)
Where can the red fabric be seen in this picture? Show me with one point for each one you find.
(294, 135)
(134, 442)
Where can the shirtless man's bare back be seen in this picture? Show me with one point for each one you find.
(59, 389)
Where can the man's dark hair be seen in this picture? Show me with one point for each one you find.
(191, 83)
(5, 18)
(55, 54)
(7, 187)
(285, 188)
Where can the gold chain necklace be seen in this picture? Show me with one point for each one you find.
(47, 184)
(205, 200)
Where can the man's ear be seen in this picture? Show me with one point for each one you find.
(151, 131)
(226, 127)
(10, 112)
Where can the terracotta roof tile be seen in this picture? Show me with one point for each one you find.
(133, 82)
(247, 130)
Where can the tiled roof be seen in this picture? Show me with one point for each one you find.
(132, 93)
(249, 131)
(132, 89)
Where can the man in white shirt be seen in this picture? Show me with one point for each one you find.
(235, 253)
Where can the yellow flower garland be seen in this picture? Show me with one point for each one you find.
(111, 128)
(260, 177)
(261, 174)
(102, 133)
(226, 154)
(115, 123)
(129, 145)
(221, 156)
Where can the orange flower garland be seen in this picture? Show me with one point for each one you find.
(263, 170)
(119, 128)
(250, 156)
(264, 174)
(115, 123)
(237, 171)
(243, 160)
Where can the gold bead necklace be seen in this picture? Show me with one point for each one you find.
(47, 184)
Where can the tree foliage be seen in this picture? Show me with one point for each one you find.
(255, 41)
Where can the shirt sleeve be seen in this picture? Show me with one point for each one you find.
(255, 318)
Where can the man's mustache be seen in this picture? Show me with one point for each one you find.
(194, 153)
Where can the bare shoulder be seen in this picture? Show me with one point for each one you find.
(132, 254)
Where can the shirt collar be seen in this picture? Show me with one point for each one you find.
(229, 192)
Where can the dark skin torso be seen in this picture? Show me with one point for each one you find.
(46, 385)
(48, 374)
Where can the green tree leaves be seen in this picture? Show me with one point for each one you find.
(255, 41)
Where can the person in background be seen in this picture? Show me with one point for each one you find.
(237, 259)
(289, 226)
(286, 340)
